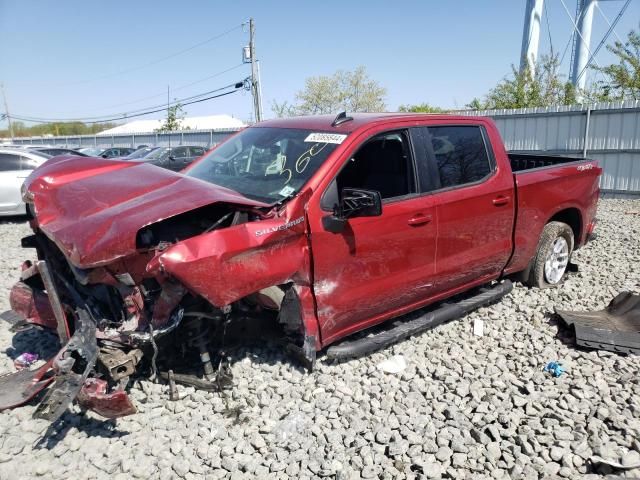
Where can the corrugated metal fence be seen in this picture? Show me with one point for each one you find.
(607, 132)
(203, 138)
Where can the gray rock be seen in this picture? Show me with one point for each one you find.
(630, 458)
(444, 453)
(494, 452)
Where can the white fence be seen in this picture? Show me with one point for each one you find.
(203, 138)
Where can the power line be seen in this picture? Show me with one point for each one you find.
(182, 87)
(131, 112)
(236, 86)
(159, 60)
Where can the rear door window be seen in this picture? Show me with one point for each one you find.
(179, 152)
(460, 153)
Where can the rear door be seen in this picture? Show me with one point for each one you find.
(10, 182)
(377, 265)
(475, 205)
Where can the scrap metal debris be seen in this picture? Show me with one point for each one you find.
(616, 328)
(596, 460)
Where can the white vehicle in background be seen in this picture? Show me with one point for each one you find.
(15, 166)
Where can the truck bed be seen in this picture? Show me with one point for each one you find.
(528, 161)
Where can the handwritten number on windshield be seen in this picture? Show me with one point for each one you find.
(303, 160)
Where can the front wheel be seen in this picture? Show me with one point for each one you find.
(553, 255)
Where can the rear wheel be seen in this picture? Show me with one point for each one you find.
(553, 255)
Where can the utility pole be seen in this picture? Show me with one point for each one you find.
(255, 77)
(168, 114)
(582, 43)
(6, 109)
(531, 35)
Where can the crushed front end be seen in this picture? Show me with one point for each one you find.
(136, 286)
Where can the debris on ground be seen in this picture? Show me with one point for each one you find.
(554, 368)
(394, 365)
(616, 328)
(478, 327)
(596, 460)
(25, 360)
(465, 400)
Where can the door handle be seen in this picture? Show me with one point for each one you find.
(501, 200)
(419, 220)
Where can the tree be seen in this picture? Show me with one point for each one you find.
(623, 78)
(56, 128)
(420, 108)
(525, 89)
(173, 122)
(344, 90)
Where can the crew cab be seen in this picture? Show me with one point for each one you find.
(329, 225)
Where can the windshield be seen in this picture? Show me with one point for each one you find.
(140, 153)
(157, 154)
(267, 164)
(91, 151)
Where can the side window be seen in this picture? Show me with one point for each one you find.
(9, 162)
(196, 151)
(460, 154)
(179, 152)
(382, 164)
(29, 163)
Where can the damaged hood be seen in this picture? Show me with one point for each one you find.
(93, 208)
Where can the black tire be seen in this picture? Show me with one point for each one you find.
(552, 231)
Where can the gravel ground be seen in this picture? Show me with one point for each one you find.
(464, 407)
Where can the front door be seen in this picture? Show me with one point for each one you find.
(377, 265)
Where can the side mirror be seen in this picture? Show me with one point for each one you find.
(172, 158)
(104, 155)
(354, 202)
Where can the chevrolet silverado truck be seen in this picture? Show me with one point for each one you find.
(328, 226)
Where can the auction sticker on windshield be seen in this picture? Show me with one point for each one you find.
(337, 138)
(287, 190)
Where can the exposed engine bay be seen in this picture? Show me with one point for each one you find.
(137, 316)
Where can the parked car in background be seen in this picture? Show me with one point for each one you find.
(116, 152)
(174, 158)
(53, 151)
(15, 166)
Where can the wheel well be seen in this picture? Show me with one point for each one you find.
(570, 216)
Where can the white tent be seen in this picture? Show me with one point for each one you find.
(210, 122)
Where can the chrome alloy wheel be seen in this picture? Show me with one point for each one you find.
(557, 260)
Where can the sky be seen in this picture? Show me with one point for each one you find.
(72, 59)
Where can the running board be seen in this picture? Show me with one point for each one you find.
(403, 330)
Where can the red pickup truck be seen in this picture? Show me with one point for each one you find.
(327, 225)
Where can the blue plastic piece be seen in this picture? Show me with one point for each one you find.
(554, 368)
